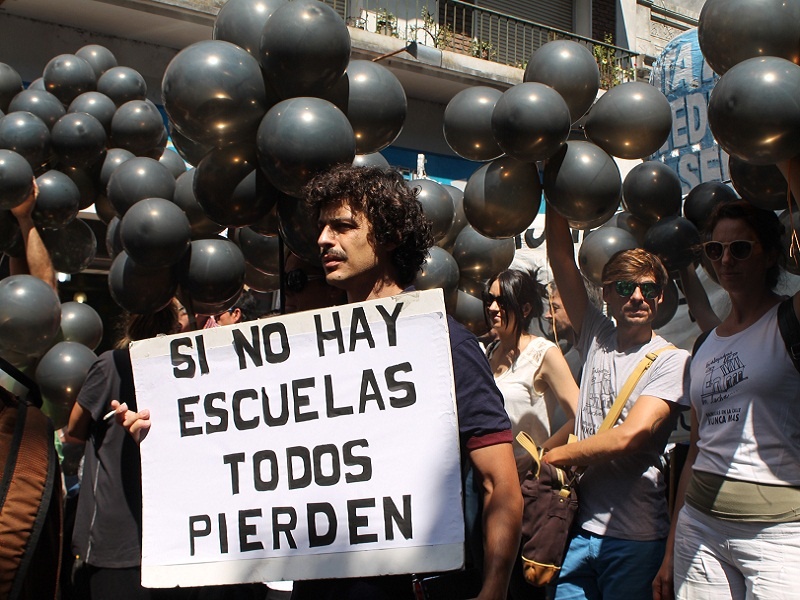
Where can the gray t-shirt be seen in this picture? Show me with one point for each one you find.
(625, 498)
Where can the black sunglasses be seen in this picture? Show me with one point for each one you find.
(625, 289)
(297, 279)
(739, 249)
(488, 299)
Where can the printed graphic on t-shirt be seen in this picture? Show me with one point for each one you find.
(722, 374)
(598, 400)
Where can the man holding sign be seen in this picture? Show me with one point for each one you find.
(373, 240)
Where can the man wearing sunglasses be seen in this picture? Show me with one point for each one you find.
(623, 517)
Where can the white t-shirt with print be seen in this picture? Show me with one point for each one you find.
(625, 498)
(746, 393)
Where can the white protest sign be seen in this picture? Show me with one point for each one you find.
(314, 445)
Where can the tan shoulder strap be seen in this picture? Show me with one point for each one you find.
(616, 409)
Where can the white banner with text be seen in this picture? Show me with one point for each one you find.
(314, 445)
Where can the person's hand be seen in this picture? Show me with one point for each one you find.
(135, 423)
(24, 210)
(663, 585)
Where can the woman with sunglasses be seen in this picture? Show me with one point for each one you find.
(738, 531)
(530, 372)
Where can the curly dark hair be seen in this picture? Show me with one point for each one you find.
(389, 204)
(518, 288)
(764, 223)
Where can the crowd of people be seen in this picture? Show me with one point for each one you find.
(734, 529)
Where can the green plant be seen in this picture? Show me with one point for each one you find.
(611, 73)
(442, 35)
(481, 49)
(386, 23)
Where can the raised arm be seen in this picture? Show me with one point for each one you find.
(697, 299)
(561, 255)
(502, 516)
(37, 259)
(791, 171)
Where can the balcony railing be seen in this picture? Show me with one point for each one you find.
(468, 29)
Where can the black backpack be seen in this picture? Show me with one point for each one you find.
(789, 327)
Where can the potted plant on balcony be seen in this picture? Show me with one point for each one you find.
(386, 23)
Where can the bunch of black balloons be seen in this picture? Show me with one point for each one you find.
(554, 119)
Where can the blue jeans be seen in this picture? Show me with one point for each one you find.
(600, 567)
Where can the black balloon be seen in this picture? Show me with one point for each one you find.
(214, 93)
(570, 69)
(439, 270)
(137, 126)
(582, 183)
(668, 306)
(113, 239)
(260, 281)
(138, 289)
(437, 204)
(375, 159)
(86, 181)
(60, 375)
(298, 229)
(58, 202)
(530, 122)
(27, 135)
(305, 48)
(192, 152)
(100, 106)
(479, 257)
(79, 140)
(376, 105)
(597, 249)
(703, 198)
(67, 76)
(762, 185)
(470, 312)
(41, 103)
(674, 240)
(81, 323)
(652, 190)
(202, 226)
(459, 221)
(215, 308)
(173, 161)
(212, 270)
(260, 251)
(631, 224)
(37, 84)
(122, 84)
(16, 179)
(72, 248)
(100, 58)
(631, 120)
(753, 110)
(104, 209)
(270, 223)
(730, 31)
(139, 178)
(301, 137)
(502, 198)
(114, 158)
(155, 232)
(230, 187)
(10, 85)
(468, 123)
(241, 22)
(30, 314)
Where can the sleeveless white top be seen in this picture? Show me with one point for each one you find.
(528, 410)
